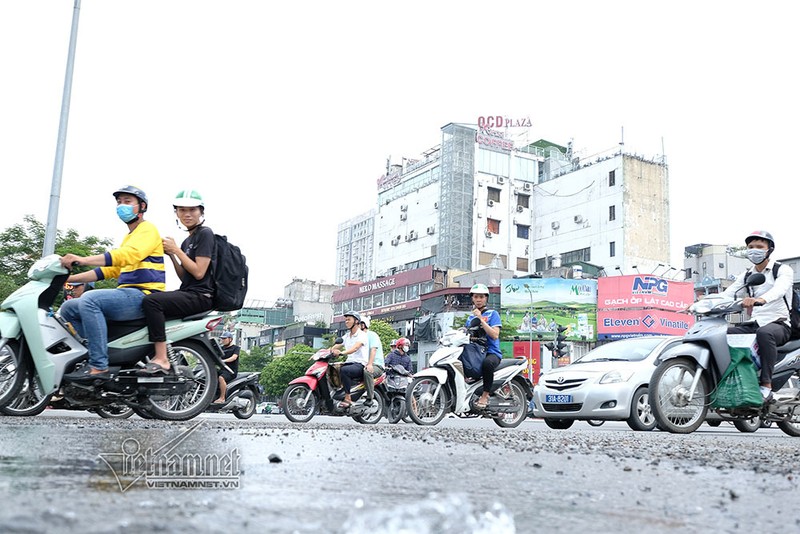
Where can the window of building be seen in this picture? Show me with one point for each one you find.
(523, 231)
(388, 298)
(486, 258)
(541, 264)
(612, 213)
(377, 300)
(400, 294)
(493, 225)
(612, 249)
(366, 302)
(524, 201)
(494, 194)
(612, 178)
(413, 292)
(582, 254)
(522, 264)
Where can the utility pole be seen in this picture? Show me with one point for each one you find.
(55, 187)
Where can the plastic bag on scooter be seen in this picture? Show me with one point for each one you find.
(472, 357)
(738, 386)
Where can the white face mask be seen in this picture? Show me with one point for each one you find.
(756, 255)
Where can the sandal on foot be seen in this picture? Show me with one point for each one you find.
(153, 369)
(481, 405)
(343, 405)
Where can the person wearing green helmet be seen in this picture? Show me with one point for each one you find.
(138, 266)
(192, 263)
(490, 324)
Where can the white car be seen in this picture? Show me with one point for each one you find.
(608, 383)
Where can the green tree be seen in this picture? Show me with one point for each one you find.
(22, 244)
(283, 369)
(385, 332)
(257, 359)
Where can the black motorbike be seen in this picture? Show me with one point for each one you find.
(397, 381)
(241, 396)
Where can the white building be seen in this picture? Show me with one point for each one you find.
(477, 200)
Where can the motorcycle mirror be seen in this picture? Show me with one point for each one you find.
(755, 279)
(340, 340)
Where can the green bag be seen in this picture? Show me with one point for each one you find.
(738, 386)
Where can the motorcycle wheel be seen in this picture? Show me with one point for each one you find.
(246, 413)
(115, 410)
(30, 400)
(641, 418)
(197, 365)
(595, 422)
(420, 403)
(299, 403)
(669, 387)
(748, 425)
(13, 372)
(559, 424)
(375, 411)
(396, 410)
(791, 427)
(514, 419)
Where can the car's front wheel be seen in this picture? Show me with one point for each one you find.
(641, 417)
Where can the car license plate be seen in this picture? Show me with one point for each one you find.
(558, 398)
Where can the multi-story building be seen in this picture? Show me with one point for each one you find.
(354, 248)
(476, 201)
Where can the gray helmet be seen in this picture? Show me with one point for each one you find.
(354, 315)
(760, 234)
(132, 190)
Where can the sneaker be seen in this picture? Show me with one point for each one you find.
(766, 394)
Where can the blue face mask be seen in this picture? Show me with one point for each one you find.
(756, 255)
(125, 213)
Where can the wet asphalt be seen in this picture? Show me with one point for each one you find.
(76, 472)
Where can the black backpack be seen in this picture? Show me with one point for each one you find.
(229, 271)
(794, 309)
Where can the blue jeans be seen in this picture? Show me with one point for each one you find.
(88, 314)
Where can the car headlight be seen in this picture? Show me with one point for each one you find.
(614, 377)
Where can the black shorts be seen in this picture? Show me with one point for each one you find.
(227, 375)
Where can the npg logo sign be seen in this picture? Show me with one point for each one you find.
(649, 285)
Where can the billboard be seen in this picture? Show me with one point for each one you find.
(642, 304)
(534, 307)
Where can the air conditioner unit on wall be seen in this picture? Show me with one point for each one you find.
(395, 242)
(490, 203)
(519, 209)
(555, 225)
(578, 219)
(404, 207)
(487, 233)
(403, 216)
(501, 180)
(526, 186)
(431, 230)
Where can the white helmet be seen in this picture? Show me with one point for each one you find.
(479, 289)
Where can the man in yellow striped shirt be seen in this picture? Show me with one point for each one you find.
(138, 266)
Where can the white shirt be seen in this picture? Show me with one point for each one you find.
(375, 342)
(362, 354)
(772, 291)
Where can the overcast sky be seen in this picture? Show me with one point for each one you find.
(283, 114)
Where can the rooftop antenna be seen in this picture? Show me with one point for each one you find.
(621, 139)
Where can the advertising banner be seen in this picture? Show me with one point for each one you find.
(534, 307)
(643, 291)
(618, 324)
(638, 305)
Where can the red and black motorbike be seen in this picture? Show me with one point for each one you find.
(320, 391)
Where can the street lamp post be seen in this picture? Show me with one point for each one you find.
(55, 187)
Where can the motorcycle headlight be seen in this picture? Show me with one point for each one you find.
(615, 377)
